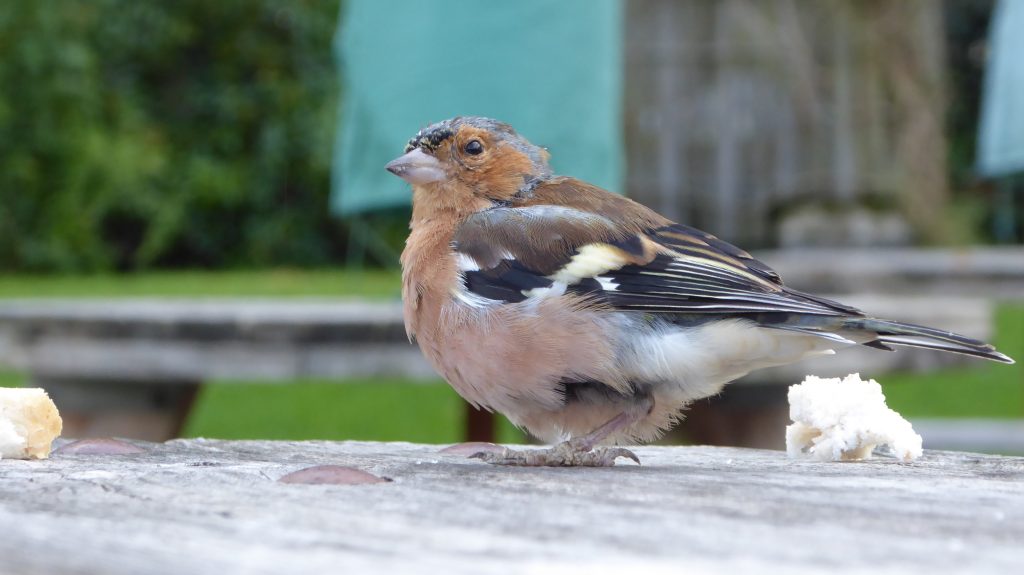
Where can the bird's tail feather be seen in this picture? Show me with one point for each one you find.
(908, 334)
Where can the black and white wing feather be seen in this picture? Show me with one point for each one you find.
(512, 254)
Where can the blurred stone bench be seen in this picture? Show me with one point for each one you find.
(132, 367)
(986, 272)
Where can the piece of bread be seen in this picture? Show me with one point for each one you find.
(29, 423)
(845, 419)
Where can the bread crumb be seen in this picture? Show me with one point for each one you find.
(844, 420)
(29, 422)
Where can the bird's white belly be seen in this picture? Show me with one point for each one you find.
(697, 361)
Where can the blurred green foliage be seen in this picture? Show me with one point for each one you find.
(150, 133)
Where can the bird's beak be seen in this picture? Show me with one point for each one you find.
(417, 168)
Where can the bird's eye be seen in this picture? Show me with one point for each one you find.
(474, 147)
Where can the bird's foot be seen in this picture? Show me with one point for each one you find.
(565, 454)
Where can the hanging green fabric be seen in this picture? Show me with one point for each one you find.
(551, 69)
(1001, 134)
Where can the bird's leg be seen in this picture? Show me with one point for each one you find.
(578, 451)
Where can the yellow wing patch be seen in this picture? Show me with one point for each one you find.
(591, 260)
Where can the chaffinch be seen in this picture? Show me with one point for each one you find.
(586, 317)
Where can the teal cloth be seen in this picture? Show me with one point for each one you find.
(1001, 136)
(551, 69)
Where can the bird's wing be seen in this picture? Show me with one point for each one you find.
(627, 261)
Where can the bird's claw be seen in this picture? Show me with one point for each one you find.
(562, 455)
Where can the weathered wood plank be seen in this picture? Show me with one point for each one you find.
(200, 506)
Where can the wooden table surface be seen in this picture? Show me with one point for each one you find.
(204, 506)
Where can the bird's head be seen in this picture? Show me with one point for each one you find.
(469, 157)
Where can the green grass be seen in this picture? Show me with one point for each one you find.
(987, 389)
(242, 283)
(380, 410)
(11, 379)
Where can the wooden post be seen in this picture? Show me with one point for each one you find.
(479, 424)
(139, 410)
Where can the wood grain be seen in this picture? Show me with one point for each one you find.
(203, 506)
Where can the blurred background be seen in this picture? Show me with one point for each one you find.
(197, 236)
